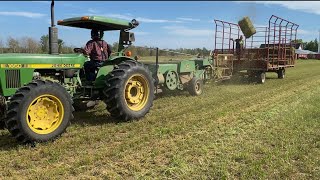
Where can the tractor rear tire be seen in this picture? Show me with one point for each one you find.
(39, 112)
(130, 91)
(195, 87)
(281, 73)
(261, 77)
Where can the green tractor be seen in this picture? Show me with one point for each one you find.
(37, 91)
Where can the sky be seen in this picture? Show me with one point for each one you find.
(166, 24)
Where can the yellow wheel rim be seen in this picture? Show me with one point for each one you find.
(137, 92)
(45, 114)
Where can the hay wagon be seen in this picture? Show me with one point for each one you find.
(270, 49)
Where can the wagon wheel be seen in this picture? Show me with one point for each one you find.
(281, 73)
(261, 77)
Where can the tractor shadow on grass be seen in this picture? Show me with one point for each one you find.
(7, 142)
(96, 116)
(235, 80)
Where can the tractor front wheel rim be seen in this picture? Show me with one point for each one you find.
(45, 114)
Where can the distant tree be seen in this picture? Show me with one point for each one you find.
(44, 43)
(115, 47)
(33, 45)
(60, 45)
(1, 46)
(312, 46)
(13, 45)
(29, 45)
(297, 41)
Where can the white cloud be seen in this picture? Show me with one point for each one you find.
(148, 20)
(260, 25)
(176, 42)
(91, 10)
(141, 33)
(43, 2)
(66, 27)
(305, 6)
(129, 17)
(22, 14)
(119, 16)
(185, 31)
(307, 32)
(187, 19)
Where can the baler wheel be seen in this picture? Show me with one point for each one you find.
(195, 87)
(130, 91)
(39, 112)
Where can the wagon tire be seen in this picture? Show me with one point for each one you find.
(281, 73)
(261, 77)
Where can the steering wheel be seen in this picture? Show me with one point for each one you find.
(78, 50)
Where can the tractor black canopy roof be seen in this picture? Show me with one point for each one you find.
(98, 22)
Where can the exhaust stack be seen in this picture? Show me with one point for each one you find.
(53, 34)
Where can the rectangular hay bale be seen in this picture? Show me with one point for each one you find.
(247, 27)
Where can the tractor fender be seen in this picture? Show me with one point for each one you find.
(106, 68)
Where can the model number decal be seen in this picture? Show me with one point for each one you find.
(14, 65)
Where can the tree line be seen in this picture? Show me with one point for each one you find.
(311, 45)
(31, 45)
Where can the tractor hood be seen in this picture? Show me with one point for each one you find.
(6, 59)
(98, 22)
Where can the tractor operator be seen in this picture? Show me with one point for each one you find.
(98, 51)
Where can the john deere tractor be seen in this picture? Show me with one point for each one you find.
(37, 91)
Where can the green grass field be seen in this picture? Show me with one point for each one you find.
(235, 130)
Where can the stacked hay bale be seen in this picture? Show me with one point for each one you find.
(247, 27)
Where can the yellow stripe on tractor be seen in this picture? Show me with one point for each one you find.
(40, 66)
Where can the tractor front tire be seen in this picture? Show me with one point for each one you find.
(130, 91)
(39, 112)
(195, 86)
(2, 112)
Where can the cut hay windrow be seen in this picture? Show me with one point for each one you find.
(247, 27)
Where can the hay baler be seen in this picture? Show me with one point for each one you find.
(185, 74)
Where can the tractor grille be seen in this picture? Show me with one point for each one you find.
(13, 79)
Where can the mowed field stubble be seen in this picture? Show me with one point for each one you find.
(234, 130)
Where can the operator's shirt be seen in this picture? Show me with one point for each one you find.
(98, 50)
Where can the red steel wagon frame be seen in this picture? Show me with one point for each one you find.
(271, 49)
